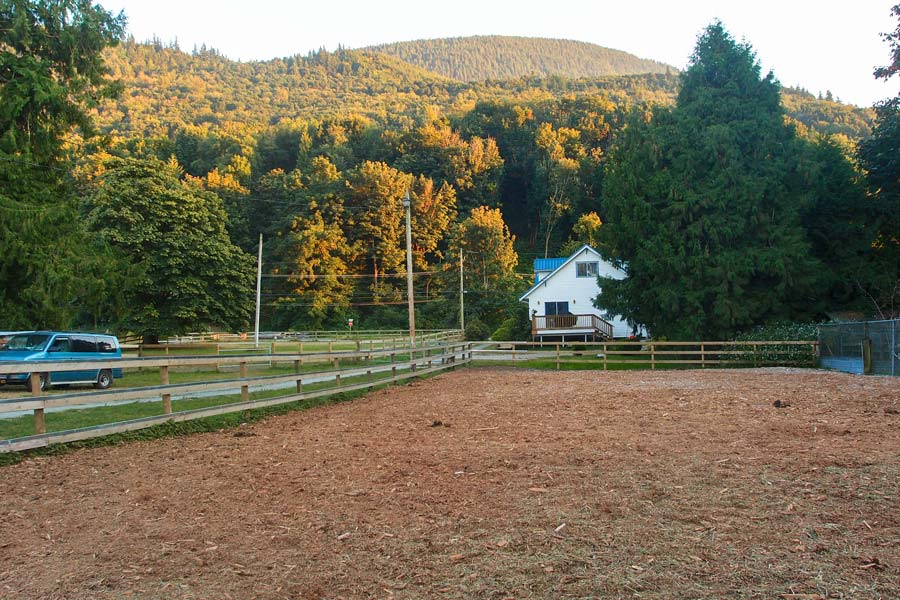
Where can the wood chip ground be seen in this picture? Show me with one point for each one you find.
(487, 483)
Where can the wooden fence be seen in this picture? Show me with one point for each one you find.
(231, 345)
(426, 335)
(400, 363)
(616, 354)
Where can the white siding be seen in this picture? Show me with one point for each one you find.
(579, 292)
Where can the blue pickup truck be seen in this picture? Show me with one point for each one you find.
(57, 346)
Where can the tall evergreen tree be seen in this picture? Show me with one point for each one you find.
(51, 75)
(880, 157)
(703, 204)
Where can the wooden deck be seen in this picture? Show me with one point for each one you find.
(571, 325)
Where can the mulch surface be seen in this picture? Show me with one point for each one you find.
(487, 483)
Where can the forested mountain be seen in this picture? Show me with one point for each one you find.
(479, 58)
(167, 88)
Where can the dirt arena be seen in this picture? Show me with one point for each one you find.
(487, 483)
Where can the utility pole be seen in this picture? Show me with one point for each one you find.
(462, 302)
(258, 289)
(409, 273)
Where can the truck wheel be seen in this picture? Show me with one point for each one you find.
(45, 381)
(104, 379)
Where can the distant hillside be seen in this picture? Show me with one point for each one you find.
(480, 58)
(167, 89)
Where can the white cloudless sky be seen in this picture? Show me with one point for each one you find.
(818, 45)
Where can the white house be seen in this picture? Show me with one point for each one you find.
(561, 302)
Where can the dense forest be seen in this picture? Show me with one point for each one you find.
(480, 58)
(173, 163)
(167, 88)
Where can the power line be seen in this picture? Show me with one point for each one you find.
(343, 276)
(32, 164)
(401, 303)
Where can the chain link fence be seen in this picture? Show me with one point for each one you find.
(870, 347)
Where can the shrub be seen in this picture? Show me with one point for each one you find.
(786, 331)
(512, 329)
(477, 331)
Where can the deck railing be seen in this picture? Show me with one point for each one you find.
(542, 323)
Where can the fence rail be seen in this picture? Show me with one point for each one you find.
(400, 363)
(617, 354)
(309, 336)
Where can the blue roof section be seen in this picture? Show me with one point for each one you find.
(549, 264)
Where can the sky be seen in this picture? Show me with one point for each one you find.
(818, 45)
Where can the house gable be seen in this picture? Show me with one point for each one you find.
(583, 254)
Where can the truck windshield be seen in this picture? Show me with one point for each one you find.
(29, 341)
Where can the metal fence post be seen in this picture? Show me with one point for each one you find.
(895, 351)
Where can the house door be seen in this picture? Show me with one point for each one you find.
(558, 315)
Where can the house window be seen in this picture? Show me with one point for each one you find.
(556, 308)
(586, 269)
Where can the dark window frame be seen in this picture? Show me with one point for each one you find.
(585, 264)
(556, 308)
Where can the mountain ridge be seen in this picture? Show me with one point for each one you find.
(497, 57)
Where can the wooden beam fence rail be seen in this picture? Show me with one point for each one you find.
(660, 354)
(310, 336)
(450, 357)
(281, 346)
(173, 361)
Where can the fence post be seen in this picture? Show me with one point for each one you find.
(895, 351)
(652, 356)
(867, 356)
(298, 365)
(557, 357)
(166, 398)
(337, 379)
(245, 389)
(702, 355)
(605, 357)
(40, 425)
(330, 346)
(299, 386)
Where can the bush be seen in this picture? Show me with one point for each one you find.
(477, 331)
(512, 329)
(784, 331)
